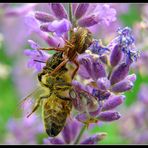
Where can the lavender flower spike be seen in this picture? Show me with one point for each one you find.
(126, 40)
(108, 116)
(94, 139)
(58, 10)
(81, 10)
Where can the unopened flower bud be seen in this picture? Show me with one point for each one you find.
(58, 10)
(119, 73)
(44, 27)
(103, 83)
(131, 77)
(109, 116)
(115, 55)
(56, 141)
(82, 117)
(89, 21)
(113, 102)
(81, 10)
(94, 139)
(43, 16)
(122, 86)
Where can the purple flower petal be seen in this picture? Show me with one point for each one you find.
(131, 77)
(67, 133)
(27, 52)
(31, 23)
(33, 44)
(30, 63)
(59, 27)
(97, 48)
(37, 57)
(55, 41)
(75, 127)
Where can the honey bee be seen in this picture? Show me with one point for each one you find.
(79, 41)
(56, 104)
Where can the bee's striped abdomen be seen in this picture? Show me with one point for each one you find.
(55, 112)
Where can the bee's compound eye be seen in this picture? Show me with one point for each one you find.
(72, 94)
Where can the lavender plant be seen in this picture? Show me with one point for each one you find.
(103, 75)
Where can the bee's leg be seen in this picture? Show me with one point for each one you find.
(59, 66)
(68, 44)
(37, 104)
(63, 86)
(89, 118)
(77, 67)
(63, 97)
(56, 49)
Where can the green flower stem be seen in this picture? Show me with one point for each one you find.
(70, 18)
(80, 134)
(70, 12)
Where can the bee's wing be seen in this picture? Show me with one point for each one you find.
(28, 96)
(26, 104)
